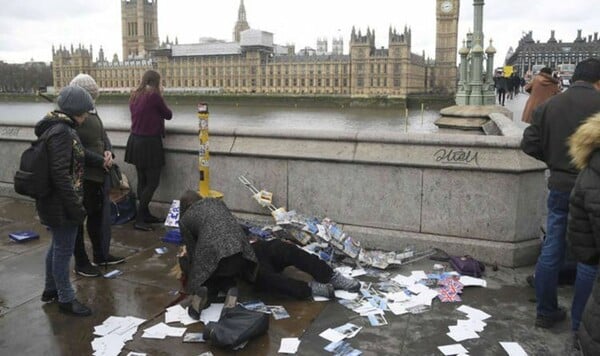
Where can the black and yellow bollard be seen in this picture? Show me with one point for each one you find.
(203, 156)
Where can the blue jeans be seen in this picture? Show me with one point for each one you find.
(58, 260)
(553, 253)
(586, 275)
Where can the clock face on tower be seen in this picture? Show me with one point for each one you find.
(446, 6)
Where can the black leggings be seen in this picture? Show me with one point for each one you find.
(148, 180)
(93, 200)
(275, 255)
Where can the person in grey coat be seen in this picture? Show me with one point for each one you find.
(217, 248)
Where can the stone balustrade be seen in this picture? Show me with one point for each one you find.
(466, 194)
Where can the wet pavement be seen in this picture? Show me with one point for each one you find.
(146, 288)
(29, 327)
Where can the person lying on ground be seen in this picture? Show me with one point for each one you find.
(219, 252)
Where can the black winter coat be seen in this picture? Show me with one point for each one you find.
(583, 229)
(66, 159)
(553, 122)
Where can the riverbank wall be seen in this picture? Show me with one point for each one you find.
(412, 102)
(466, 194)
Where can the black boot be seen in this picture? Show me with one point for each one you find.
(140, 224)
(199, 302)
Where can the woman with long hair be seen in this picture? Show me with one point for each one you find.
(144, 146)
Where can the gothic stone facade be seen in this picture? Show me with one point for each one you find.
(238, 68)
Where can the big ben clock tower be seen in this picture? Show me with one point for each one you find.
(446, 45)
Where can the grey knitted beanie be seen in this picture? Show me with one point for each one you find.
(74, 100)
(86, 82)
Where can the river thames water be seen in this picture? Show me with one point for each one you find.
(222, 116)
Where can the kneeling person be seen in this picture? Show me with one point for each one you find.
(218, 252)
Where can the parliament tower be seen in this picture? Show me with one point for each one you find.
(446, 45)
(241, 24)
(139, 21)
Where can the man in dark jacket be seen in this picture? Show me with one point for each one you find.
(583, 234)
(546, 139)
(62, 210)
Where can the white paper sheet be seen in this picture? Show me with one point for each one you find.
(289, 345)
(513, 348)
(454, 349)
(473, 313)
(332, 335)
(469, 281)
(212, 313)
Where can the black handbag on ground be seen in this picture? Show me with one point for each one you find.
(236, 326)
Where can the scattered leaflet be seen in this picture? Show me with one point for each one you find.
(289, 345)
(161, 331)
(177, 313)
(114, 332)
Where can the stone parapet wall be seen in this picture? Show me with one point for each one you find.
(467, 194)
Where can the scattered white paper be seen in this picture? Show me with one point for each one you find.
(177, 313)
(114, 332)
(473, 313)
(460, 334)
(418, 288)
(342, 294)
(397, 308)
(133, 353)
(472, 324)
(320, 299)
(162, 330)
(349, 330)
(332, 335)
(425, 297)
(454, 349)
(289, 345)
(403, 280)
(513, 348)
(418, 275)
(212, 313)
(469, 281)
(397, 296)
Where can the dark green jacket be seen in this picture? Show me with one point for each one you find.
(95, 141)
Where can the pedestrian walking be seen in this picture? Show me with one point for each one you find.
(62, 210)
(501, 85)
(546, 140)
(542, 87)
(144, 145)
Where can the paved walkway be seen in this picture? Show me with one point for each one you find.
(29, 327)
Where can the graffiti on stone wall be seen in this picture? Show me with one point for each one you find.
(10, 131)
(456, 156)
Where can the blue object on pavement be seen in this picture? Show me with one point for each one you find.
(22, 236)
(173, 237)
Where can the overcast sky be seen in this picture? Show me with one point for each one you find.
(29, 28)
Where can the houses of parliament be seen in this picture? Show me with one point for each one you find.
(252, 63)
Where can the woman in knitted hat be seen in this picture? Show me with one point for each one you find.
(62, 209)
(98, 160)
(144, 146)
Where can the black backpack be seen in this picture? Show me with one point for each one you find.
(33, 177)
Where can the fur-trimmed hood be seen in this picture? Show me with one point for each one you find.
(585, 141)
